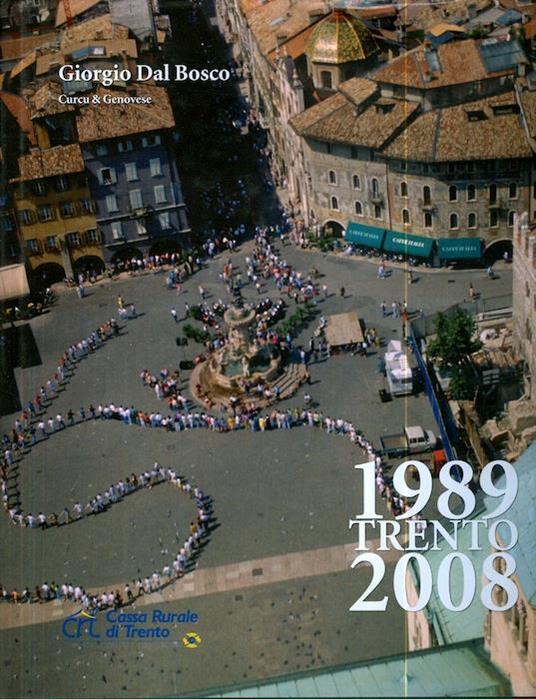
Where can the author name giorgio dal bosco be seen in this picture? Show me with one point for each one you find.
(166, 73)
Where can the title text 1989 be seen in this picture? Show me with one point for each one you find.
(423, 535)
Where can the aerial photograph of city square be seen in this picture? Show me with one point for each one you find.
(267, 306)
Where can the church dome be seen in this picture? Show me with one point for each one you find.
(340, 38)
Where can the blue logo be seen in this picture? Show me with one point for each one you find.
(80, 625)
(116, 625)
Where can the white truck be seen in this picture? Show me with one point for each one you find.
(397, 370)
(413, 440)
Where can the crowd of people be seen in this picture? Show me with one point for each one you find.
(101, 502)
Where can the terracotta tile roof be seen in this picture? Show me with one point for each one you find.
(448, 134)
(60, 160)
(16, 48)
(18, 108)
(375, 12)
(460, 62)
(44, 101)
(294, 47)
(100, 27)
(279, 17)
(442, 27)
(96, 122)
(528, 104)
(358, 89)
(77, 8)
(113, 47)
(372, 127)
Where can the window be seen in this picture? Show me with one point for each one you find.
(527, 290)
(32, 246)
(111, 203)
(493, 218)
(86, 206)
(405, 217)
(425, 168)
(45, 213)
(141, 228)
(155, 166)
(375, 187)
(51, 243)
(92, 236)
(101, 149)
(160, 194)
(453, 193)
(131, 172)
(334, 203)
(107, 176)
(354, 152)
(332, 177)
(27, 217)
(428, 220)
(470, 166)
(356, 181)
(511, 217)
(471, 220)
(62, 184)
(493, 194)
(512, 190)
(451, 168)
(329, 148)
(471, 192)
(377, 211)
(73, 240)
(326, 80)
(39, 187)
(117, 230)
(403, 189)
(67, 209)
(426, 195)
(164, 220)
(153, 140)
(358, 208)
(7, 223)
(453, 221)
(125, 146)
(136, 200)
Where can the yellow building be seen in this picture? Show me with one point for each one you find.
(56, 214)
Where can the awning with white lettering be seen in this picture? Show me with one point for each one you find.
(361, 234)
(412, 245)
(459, 248)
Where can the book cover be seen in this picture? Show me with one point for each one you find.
(268, 296)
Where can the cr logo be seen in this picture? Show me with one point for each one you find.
(80, 624)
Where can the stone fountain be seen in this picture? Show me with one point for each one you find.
(240, 359)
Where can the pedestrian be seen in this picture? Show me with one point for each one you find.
(343, 291)
(174, 315)
(383, 307)
(472, 294)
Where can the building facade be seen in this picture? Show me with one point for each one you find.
(524, 303)
(56, 216)
(133, 176)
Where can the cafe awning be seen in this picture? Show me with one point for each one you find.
(459, 248)
(361, 234)
(412, 245)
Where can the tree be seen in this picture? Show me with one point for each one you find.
(463, 382)
(454, 339)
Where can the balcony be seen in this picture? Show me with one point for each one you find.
(497, 203)
(377, 198)
(141, 212)
(426, 205)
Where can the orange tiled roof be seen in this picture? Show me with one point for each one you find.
(44, 101)
(18, 108)
(60, 160)
(77, 8)
(448, 134)
(100, 27)
(96, 122)
(460, 62)
(16, 48)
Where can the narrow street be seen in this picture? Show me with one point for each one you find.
(224, 176)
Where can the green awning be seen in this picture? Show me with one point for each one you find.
(413, 245)
(360, 234)
(460, 248)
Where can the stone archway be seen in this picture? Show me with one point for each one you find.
(335, 228)
(88, 264)
(48, 273)
(495, 250)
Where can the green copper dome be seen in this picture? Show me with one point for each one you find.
(340, 38)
